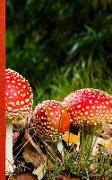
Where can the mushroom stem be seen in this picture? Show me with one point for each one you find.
(9, 147)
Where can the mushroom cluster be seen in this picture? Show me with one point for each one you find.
(51, 119)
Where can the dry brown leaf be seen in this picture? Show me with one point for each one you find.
(61, 177)
(105, 143)
(26, 176)
(11, 177)
(32, 156)
(41, 164)
(107, 131)
(66, 176)
(71, 138)
(108, 146)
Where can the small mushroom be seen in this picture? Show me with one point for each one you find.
(19, 100)
(50, 119)
(88, 108)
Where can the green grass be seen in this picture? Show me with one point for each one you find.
(84, 74)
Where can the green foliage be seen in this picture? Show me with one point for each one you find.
(103, 164)
(82, 75)
(48, 37)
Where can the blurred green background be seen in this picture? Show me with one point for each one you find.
(60, 45)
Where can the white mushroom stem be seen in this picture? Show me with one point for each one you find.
(9, 147)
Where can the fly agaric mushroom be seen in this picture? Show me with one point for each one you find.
(19, 100)
(88, 107)
(50, 119)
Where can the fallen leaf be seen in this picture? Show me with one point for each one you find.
(32, 156)
(107, 131)
(26, 176)
(66, 176)
(71, 138)
(105, 143)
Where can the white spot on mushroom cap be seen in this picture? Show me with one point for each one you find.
(79, 106)
(87, 107)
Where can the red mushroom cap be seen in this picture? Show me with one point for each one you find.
(19, 97)
(91, 106)
(50, 119)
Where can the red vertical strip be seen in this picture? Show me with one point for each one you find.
(2, 89)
